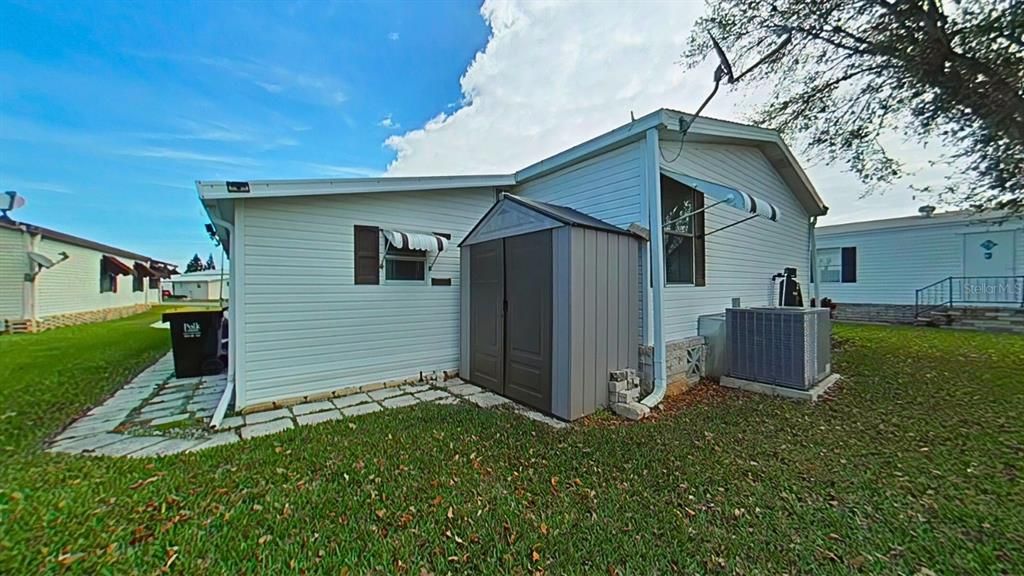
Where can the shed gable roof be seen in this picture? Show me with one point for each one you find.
(514, 215)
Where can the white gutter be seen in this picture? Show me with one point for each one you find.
(653, 186)
(225, 399)
(813, 264)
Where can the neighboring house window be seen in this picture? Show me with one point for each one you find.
(683, 233)
(138, 282)
(405, 265)
(830, 264)
(837, 264)
(108, 281)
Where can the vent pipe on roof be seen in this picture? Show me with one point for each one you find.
(926, 211)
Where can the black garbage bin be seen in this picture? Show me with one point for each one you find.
(195, 340)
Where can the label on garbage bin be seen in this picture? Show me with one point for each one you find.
(192, 330)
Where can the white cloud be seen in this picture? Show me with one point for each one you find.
(339, 171)
(554, 74)
(394, 36)
(22, 186)
(189, 156)
(312, 86)
(389, 122)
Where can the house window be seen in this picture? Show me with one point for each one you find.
(154, 283)
(138, 282)
(108, 281)
(405, 265)
(837, 264)
(678, 229)
(830, 264)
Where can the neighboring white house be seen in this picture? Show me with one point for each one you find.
(205, 285)
(327, 295)
(49, 279)
(881, 269)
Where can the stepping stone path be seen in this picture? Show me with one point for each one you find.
(154, 399)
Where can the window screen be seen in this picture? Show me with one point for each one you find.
(405, 265)
(676, 202)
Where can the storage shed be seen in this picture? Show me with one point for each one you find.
(550, 305)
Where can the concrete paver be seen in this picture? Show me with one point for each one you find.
(384, 393)
(360, 409)
(465, 389)
(272, 427)
(300, 409)
(352, 400)
(432, 395)
(400, 401)
(259, 417)
(318, 417)
(129, 444)
(217, 439)
(487, 400)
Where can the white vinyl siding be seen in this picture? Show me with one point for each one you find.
(741, 260)
(892, 263)
(74, 285)
(13, 266)
(199, 290)
(606, 186)
(308, 328)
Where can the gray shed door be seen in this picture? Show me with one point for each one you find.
(510, 324)
(486, 301)
(528, 319)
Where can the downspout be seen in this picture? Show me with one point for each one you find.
(225, 399)
(813, 264)
(29, 310)
(657, 267)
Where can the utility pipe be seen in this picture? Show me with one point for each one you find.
(225, 399)
(657, 267)
(814, 260)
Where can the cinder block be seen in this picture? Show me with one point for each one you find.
(617, 386)
(631, 410)
(619, 375)
(625, 396)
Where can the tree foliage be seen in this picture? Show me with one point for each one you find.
(210, 265)
(195, 264)
(856, 70)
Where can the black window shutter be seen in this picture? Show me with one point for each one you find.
(367, 255)
(698, 240)
(849, 264)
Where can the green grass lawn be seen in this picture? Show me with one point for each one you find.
(914, 464)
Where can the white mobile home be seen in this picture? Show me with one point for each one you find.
(341, 283)
(883, 269)
(205, 285)
(50, 279)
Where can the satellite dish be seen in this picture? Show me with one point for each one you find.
(724, 66)
(41, 259)
(10, 201)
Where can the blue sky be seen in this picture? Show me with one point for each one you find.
(110, 111)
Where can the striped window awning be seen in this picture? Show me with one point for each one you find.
(722, 194)
(416, 241)
(114, 266)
